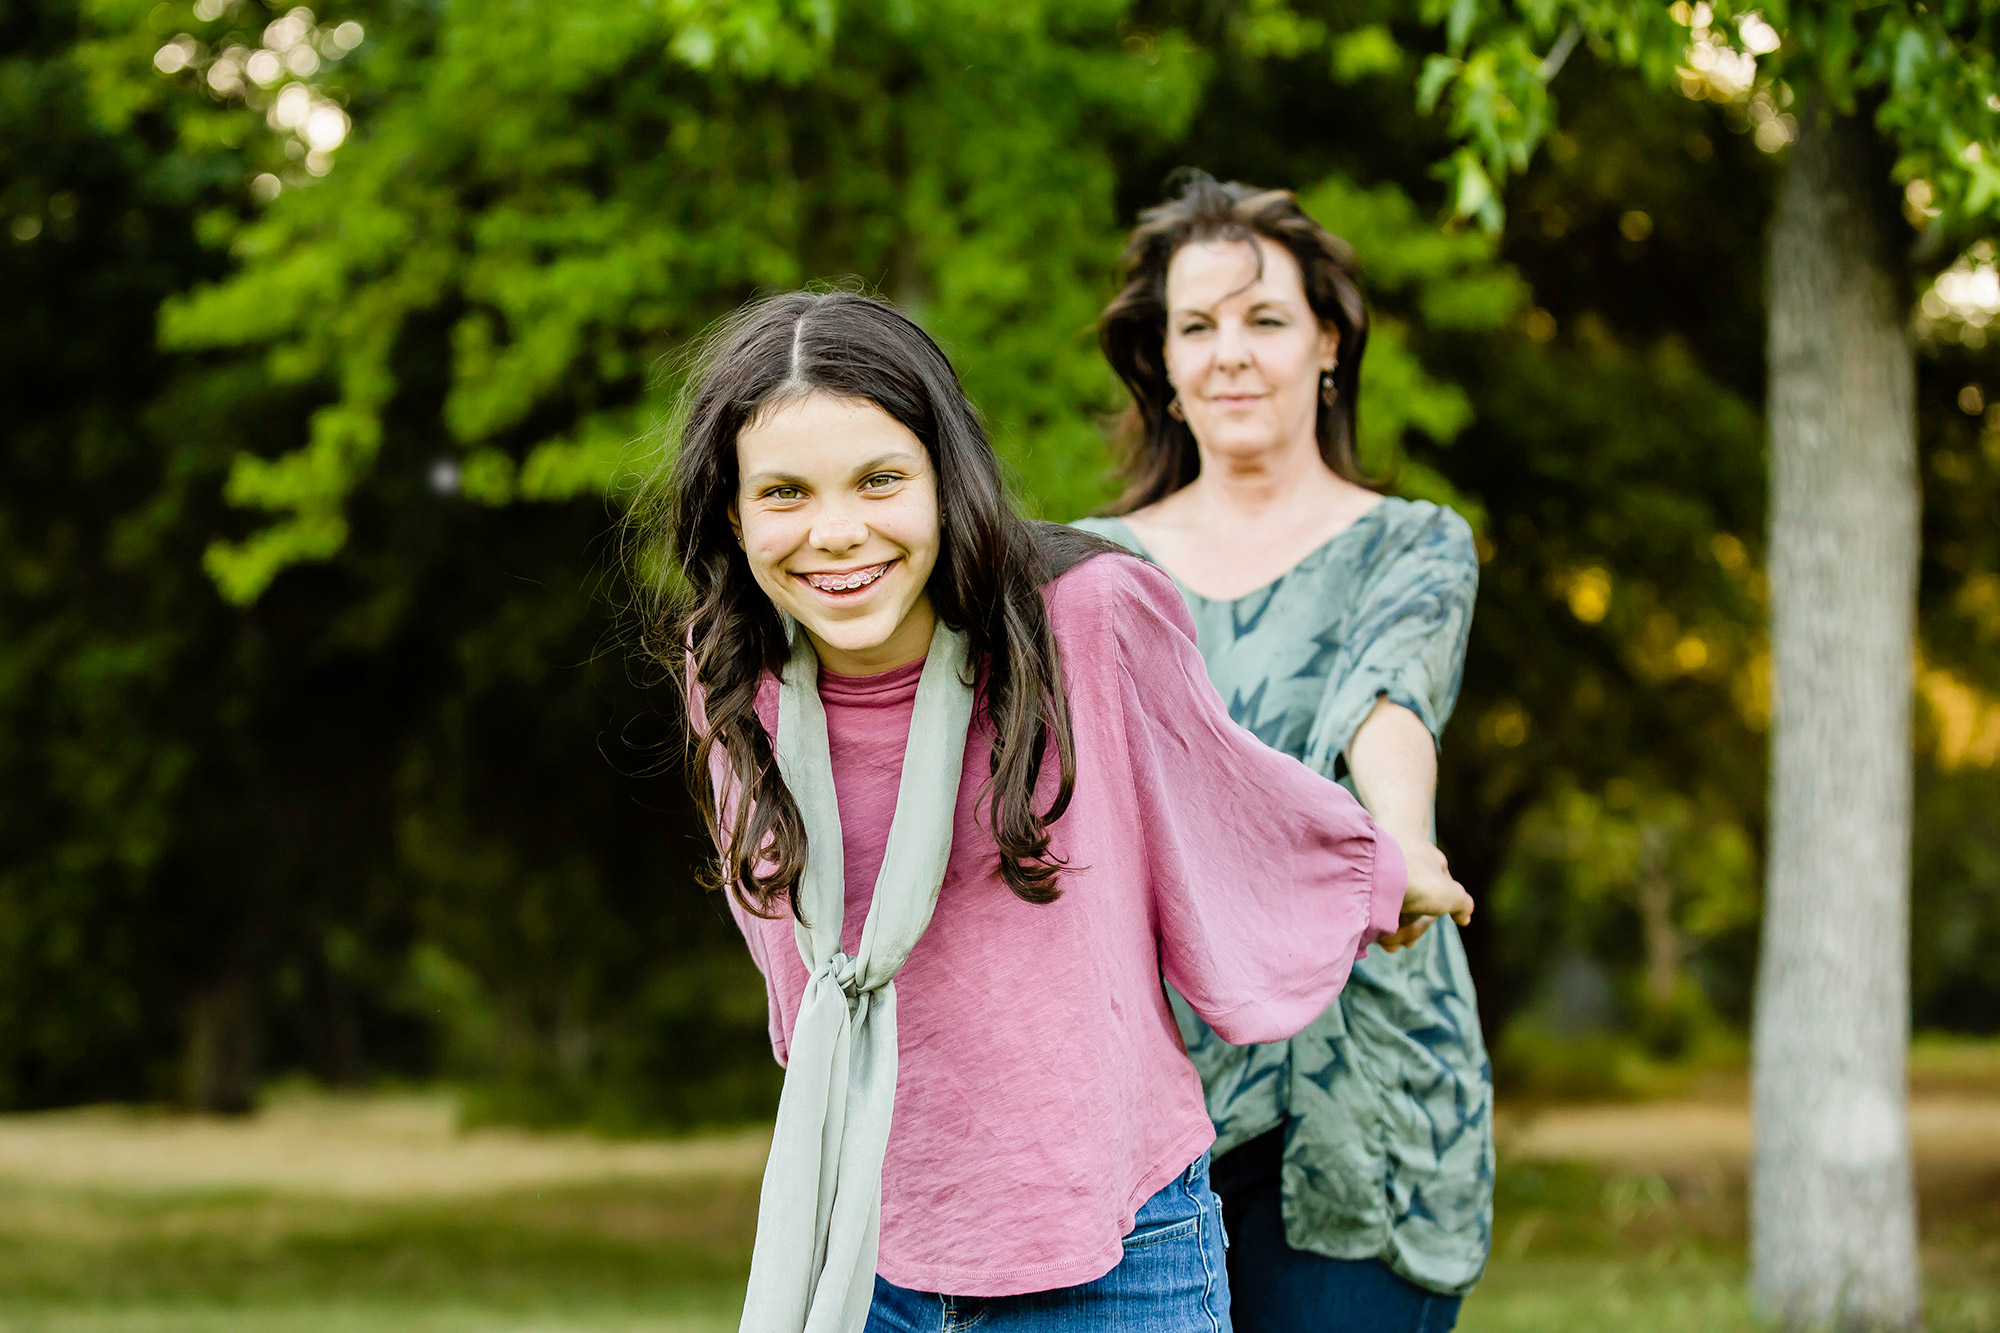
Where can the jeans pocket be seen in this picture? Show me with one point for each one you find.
(1161, 1232)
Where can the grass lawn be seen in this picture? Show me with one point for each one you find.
(607, 1257)
(107, 1226)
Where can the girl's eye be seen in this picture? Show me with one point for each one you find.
(784, 494)
(881, 479)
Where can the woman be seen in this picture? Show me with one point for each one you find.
(1354, 1160)
(1007, 732)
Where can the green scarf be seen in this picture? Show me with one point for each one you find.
(819, 1219)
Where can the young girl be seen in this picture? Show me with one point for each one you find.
(974, 796)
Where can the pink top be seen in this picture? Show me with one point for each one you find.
(1042, 1092)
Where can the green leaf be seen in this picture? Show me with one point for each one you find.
(1438, 72)
(1365, 52)
(1458, 25)
(1472, 189)
(1912, 53)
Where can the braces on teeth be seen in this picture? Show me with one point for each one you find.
(856, 580)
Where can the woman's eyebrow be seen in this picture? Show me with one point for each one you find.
(1269, 302)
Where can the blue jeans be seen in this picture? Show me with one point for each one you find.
(1171, 1280)
(1283, 1290)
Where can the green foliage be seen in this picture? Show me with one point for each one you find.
(574, 191)
(382, 421)
(306, 674)
(99, 625)
(1645, 881)
(1928, 71)
(1451, 282)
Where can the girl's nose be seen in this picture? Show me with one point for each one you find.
(836, 533)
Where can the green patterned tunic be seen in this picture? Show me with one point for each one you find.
(1387, 1097)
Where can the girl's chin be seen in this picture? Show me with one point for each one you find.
(864, 632)
(862, 644)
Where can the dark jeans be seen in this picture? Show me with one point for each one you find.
(1277, 1289)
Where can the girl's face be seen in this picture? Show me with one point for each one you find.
(1244, 349)
(836, 507)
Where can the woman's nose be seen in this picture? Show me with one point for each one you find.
(1232, 349)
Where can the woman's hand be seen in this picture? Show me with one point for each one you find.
(1431, 893)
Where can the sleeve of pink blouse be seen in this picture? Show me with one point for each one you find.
(753, 935)
(724, 786)
(1268, 879)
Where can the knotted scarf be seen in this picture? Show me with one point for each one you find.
(819, 1218)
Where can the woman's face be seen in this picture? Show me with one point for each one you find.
(836, 507)
(1244, 350)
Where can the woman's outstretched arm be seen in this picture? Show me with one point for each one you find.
(1393, 759)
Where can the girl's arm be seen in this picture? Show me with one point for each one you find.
(782, 971)
(1266, 879)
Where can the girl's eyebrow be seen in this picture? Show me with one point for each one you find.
(770, 477)
(778, 477)
(893, 457)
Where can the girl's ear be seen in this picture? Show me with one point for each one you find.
(735, 523)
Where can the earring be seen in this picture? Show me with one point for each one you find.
(1175, 410)
(1328, 390)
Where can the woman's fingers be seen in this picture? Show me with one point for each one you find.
(1461, 911)
(1430, 893)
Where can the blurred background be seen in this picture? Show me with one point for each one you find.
(329, 344)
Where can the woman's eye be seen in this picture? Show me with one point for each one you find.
(1189, 330)
(1270, 322)
(784, 494)
(880, 480)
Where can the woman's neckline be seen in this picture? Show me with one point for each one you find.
(1263, 588)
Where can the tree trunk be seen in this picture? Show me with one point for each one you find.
(218, 1063)
(1656, 915)
(1833, 1208)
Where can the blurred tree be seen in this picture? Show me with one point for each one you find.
(428, 270)
(94, 629)
(567, 266)
(1834, 1232)
(569, 193)
(461, 243)
(1683, 872)
(1608, 455)
(200, 847)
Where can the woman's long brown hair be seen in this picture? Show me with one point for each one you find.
(1159, 450)
(719, 633)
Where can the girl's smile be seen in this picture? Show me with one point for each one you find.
(847, 585)
(836, 507)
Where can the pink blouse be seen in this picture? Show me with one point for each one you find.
(1042, 1092)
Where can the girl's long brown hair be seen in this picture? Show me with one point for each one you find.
(1159, 451)
(719, 633)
